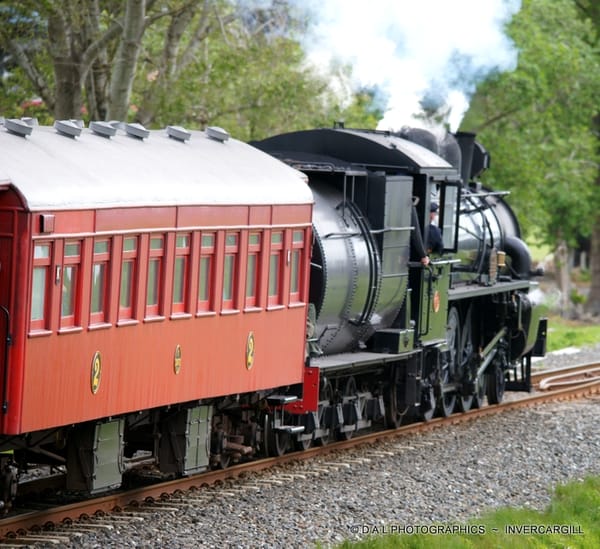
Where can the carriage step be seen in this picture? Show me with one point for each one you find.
(281, 399)
(292, 429)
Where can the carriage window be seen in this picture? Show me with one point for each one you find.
(252, 269)
(70, 280)
(155, 266)
(128, 271)
(39, 287)
(296, 266)
(229, 271)
(98, 310)
(181, 276)
(275, 265)
(205, 276)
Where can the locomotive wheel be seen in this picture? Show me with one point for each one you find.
(325, 412)
(276, 442)
(479, 392)
(302, 444)
(455, 338)
(349, 390)
(392, 417)
(224, 460)
(446, 401)
(460, 337)
(495, 384)
(427, 408)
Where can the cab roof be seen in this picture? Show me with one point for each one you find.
(375, 150)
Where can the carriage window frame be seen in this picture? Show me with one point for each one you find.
(206, 266)
(70, 298)
(230, 272)
(41, 287)
(181, 274)
(296, 267)
(100, 291)
(128, 279)
(253, 271)
(154, 280)
(276, 267)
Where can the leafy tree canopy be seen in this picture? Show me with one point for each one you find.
(536, 121)
(234, 63)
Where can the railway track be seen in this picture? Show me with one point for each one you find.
(55, 524)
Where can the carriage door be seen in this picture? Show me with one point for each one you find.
(6, 251)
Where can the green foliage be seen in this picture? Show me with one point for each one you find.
(231, 63)
(536, 121)
(564, 333)
(252, 83)
(572, 520)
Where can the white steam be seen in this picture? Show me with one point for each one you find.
(411, 49)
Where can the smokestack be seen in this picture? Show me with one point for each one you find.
(466, 141)
(481, 160)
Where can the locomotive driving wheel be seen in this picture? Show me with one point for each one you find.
(325, 413)
(392, 416)
(495, 383)
(446, 401)
(480, 389)
(472, 388)
(427, 404)
(304, 443)
(349, 396)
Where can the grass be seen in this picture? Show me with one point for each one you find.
(571, 520)
(570, 333)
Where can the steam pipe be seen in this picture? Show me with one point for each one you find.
(520, 256)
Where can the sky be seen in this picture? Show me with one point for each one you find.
(408, 49)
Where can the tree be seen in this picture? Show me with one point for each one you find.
(590, 10)
(536, 120)
(238, 64)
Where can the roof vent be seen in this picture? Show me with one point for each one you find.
(216, 133)
(179, 133)
(137, 130)
(30, 121)
(18, 127)
(103, 128)
(70, 128)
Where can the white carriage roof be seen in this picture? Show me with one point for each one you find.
(53, 171)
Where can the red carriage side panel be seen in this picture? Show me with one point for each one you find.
(141, 368)
(83, 370)
(149, 280)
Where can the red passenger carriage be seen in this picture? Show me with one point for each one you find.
(141, 271)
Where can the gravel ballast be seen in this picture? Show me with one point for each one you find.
(449, 474)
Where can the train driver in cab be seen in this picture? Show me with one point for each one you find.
(434, 236)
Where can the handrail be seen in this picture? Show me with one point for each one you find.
(9, 342)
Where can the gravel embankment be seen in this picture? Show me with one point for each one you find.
(450, 474)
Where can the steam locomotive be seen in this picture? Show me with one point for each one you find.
(196, 300)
